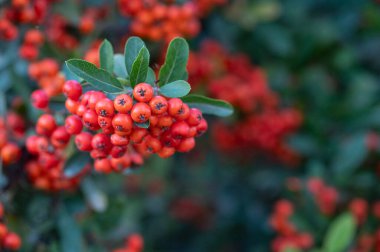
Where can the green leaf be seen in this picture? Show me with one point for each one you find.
(151, 77)
(144, 125)
(177, 88)
(140, 67)
(69, 232)
(175, 62)
(98, 78)
(340, 234)
(131, 52)
(76, 164)
(119, 66)
(351, 154)
(209, 105)
(94, 196)
(106, 56)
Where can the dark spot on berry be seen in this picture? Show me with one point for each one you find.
(180, 111)
(119, 128)
(159, 106)
(141, 92)
(103, 112)
(121, 102)
(142, 117)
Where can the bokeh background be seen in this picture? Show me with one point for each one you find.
(301, 149)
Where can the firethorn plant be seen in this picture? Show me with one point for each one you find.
(121, 112)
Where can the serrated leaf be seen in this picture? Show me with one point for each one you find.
(75, 164)
(140, 67)
(209, 105)
(94, 196)
(175, 62)
(69, 232)
(340, 234)
(177, 88)
(98, 78)
(131, 51)
(144, 125)
(151, 77)
(119, 66)
(106, 56)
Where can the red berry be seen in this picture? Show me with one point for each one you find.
(10, 153)
(202, 127)
(119, 140)
(12, 241)
(94, 98)
(73, 125)
(105, 108)
(40, 99)
(103, 165)
(186, 145)
(118, 151)
(3, 228)
(72, 106)
(123, 103)
(90, 120)
(42, 144)
(143, 92)
(135, 242)
(180, 129)
(166, 152)
(140, 112)
(195, 117)
(104, 122)
(72, 89)
(101, 142)
(31, 144)
(153, 145)
(138, 135)
(60, 137)
(83, 141)
(183, 113)
(81, 110)
(174, 106)
(122, 123)
(45, 125)
(159, 105)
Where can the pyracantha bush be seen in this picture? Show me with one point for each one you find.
(303, 233)
(260, 123)
(117, 114)
(164, 20)
(8, 240)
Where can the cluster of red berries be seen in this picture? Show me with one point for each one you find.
(12, 130)
(33, 40)
(288, 235)
(22, 12)
(45, 171)
(172, 125)
(262, 125)
(134, 243)
(8, 240)
(205, 6)
(157, 21)
(326, 197)
(8, 31)
(48, 77)
(59, 30)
